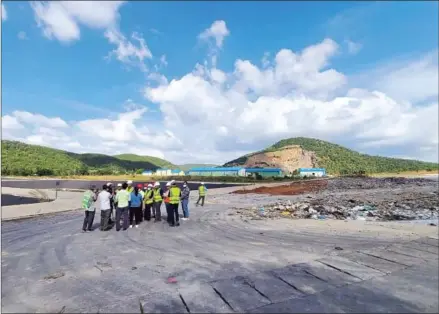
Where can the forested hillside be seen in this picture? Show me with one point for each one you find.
(23, 160)
(340, 160)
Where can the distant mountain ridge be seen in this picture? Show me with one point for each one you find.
(24, 159)
(301, 152)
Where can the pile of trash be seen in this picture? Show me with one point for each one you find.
(349, 183)
(421, 209)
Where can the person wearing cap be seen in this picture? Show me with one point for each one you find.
(103, 201)
(201, 194)
(174, 200)
(148, 200)
(118, 188)
(88, 205)
(185, 193)
(157, 201)
(123, 199)
(130, 186)
(166, 201)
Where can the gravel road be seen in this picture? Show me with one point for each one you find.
(217, 262)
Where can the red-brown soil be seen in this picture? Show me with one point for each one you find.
(294, 188)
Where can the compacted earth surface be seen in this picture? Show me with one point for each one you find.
(233, 256)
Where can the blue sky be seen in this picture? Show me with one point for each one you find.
(365, 73)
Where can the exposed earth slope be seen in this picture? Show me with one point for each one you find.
(300, 152)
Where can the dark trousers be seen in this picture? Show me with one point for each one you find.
(105, 216)
(201, 198)
(173, 212)
(157, 211)
(147, 212)
(88, 220)
(168, 212)
(135, 213)
(122, 212)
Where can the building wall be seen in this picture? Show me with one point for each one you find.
(312, 173)
(213, 173)
(266, 174)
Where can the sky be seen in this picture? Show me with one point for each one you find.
(207, 82)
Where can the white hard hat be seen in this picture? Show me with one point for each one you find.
(184, 184)
(202, 183)
(109, 183)
(150, 185)
(129, 182)
(157, 184)
(168, 184)
(119, 184)
(172, 181)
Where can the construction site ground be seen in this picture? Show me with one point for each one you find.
(220, 262)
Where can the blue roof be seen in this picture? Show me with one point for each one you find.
(312, 169)
(263, 170)
(216, 169)
(175, 171)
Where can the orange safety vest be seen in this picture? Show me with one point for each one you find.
(166, 196)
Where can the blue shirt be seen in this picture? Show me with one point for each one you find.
(136, 201)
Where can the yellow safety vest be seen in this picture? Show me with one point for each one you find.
(157, 196)
(202, 190)
(148, 199)
(130, 189)
(174, 195)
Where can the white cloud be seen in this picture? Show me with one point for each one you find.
(210, 115)
(61, 19)
(218, 31)
(22, 35)
(4, 13)
(353, 47)
(126, 51)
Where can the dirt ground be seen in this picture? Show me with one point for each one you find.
(294, 188)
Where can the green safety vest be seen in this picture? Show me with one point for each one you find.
(202, 190)
(174, 195)
(87, 200)
(157, 196)
(148, 199)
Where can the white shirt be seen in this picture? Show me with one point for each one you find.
(104, 200)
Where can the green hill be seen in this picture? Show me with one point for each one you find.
(24, 159)
(340, 160)
(158, 162)
(186, 167)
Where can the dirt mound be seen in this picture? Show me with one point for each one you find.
(294, 188)
(288, 158)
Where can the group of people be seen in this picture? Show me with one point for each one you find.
(134, 204)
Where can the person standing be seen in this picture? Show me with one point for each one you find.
(201, 194)
(185, 193)
(174, 200)
(123, 199)
(110, 190)
(158, 199)
(88, 204)
(130, 187)
(136, 207)
(104, 204)
(148, 200)
(166, 201)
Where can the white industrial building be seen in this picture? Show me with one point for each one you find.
(312, 172)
